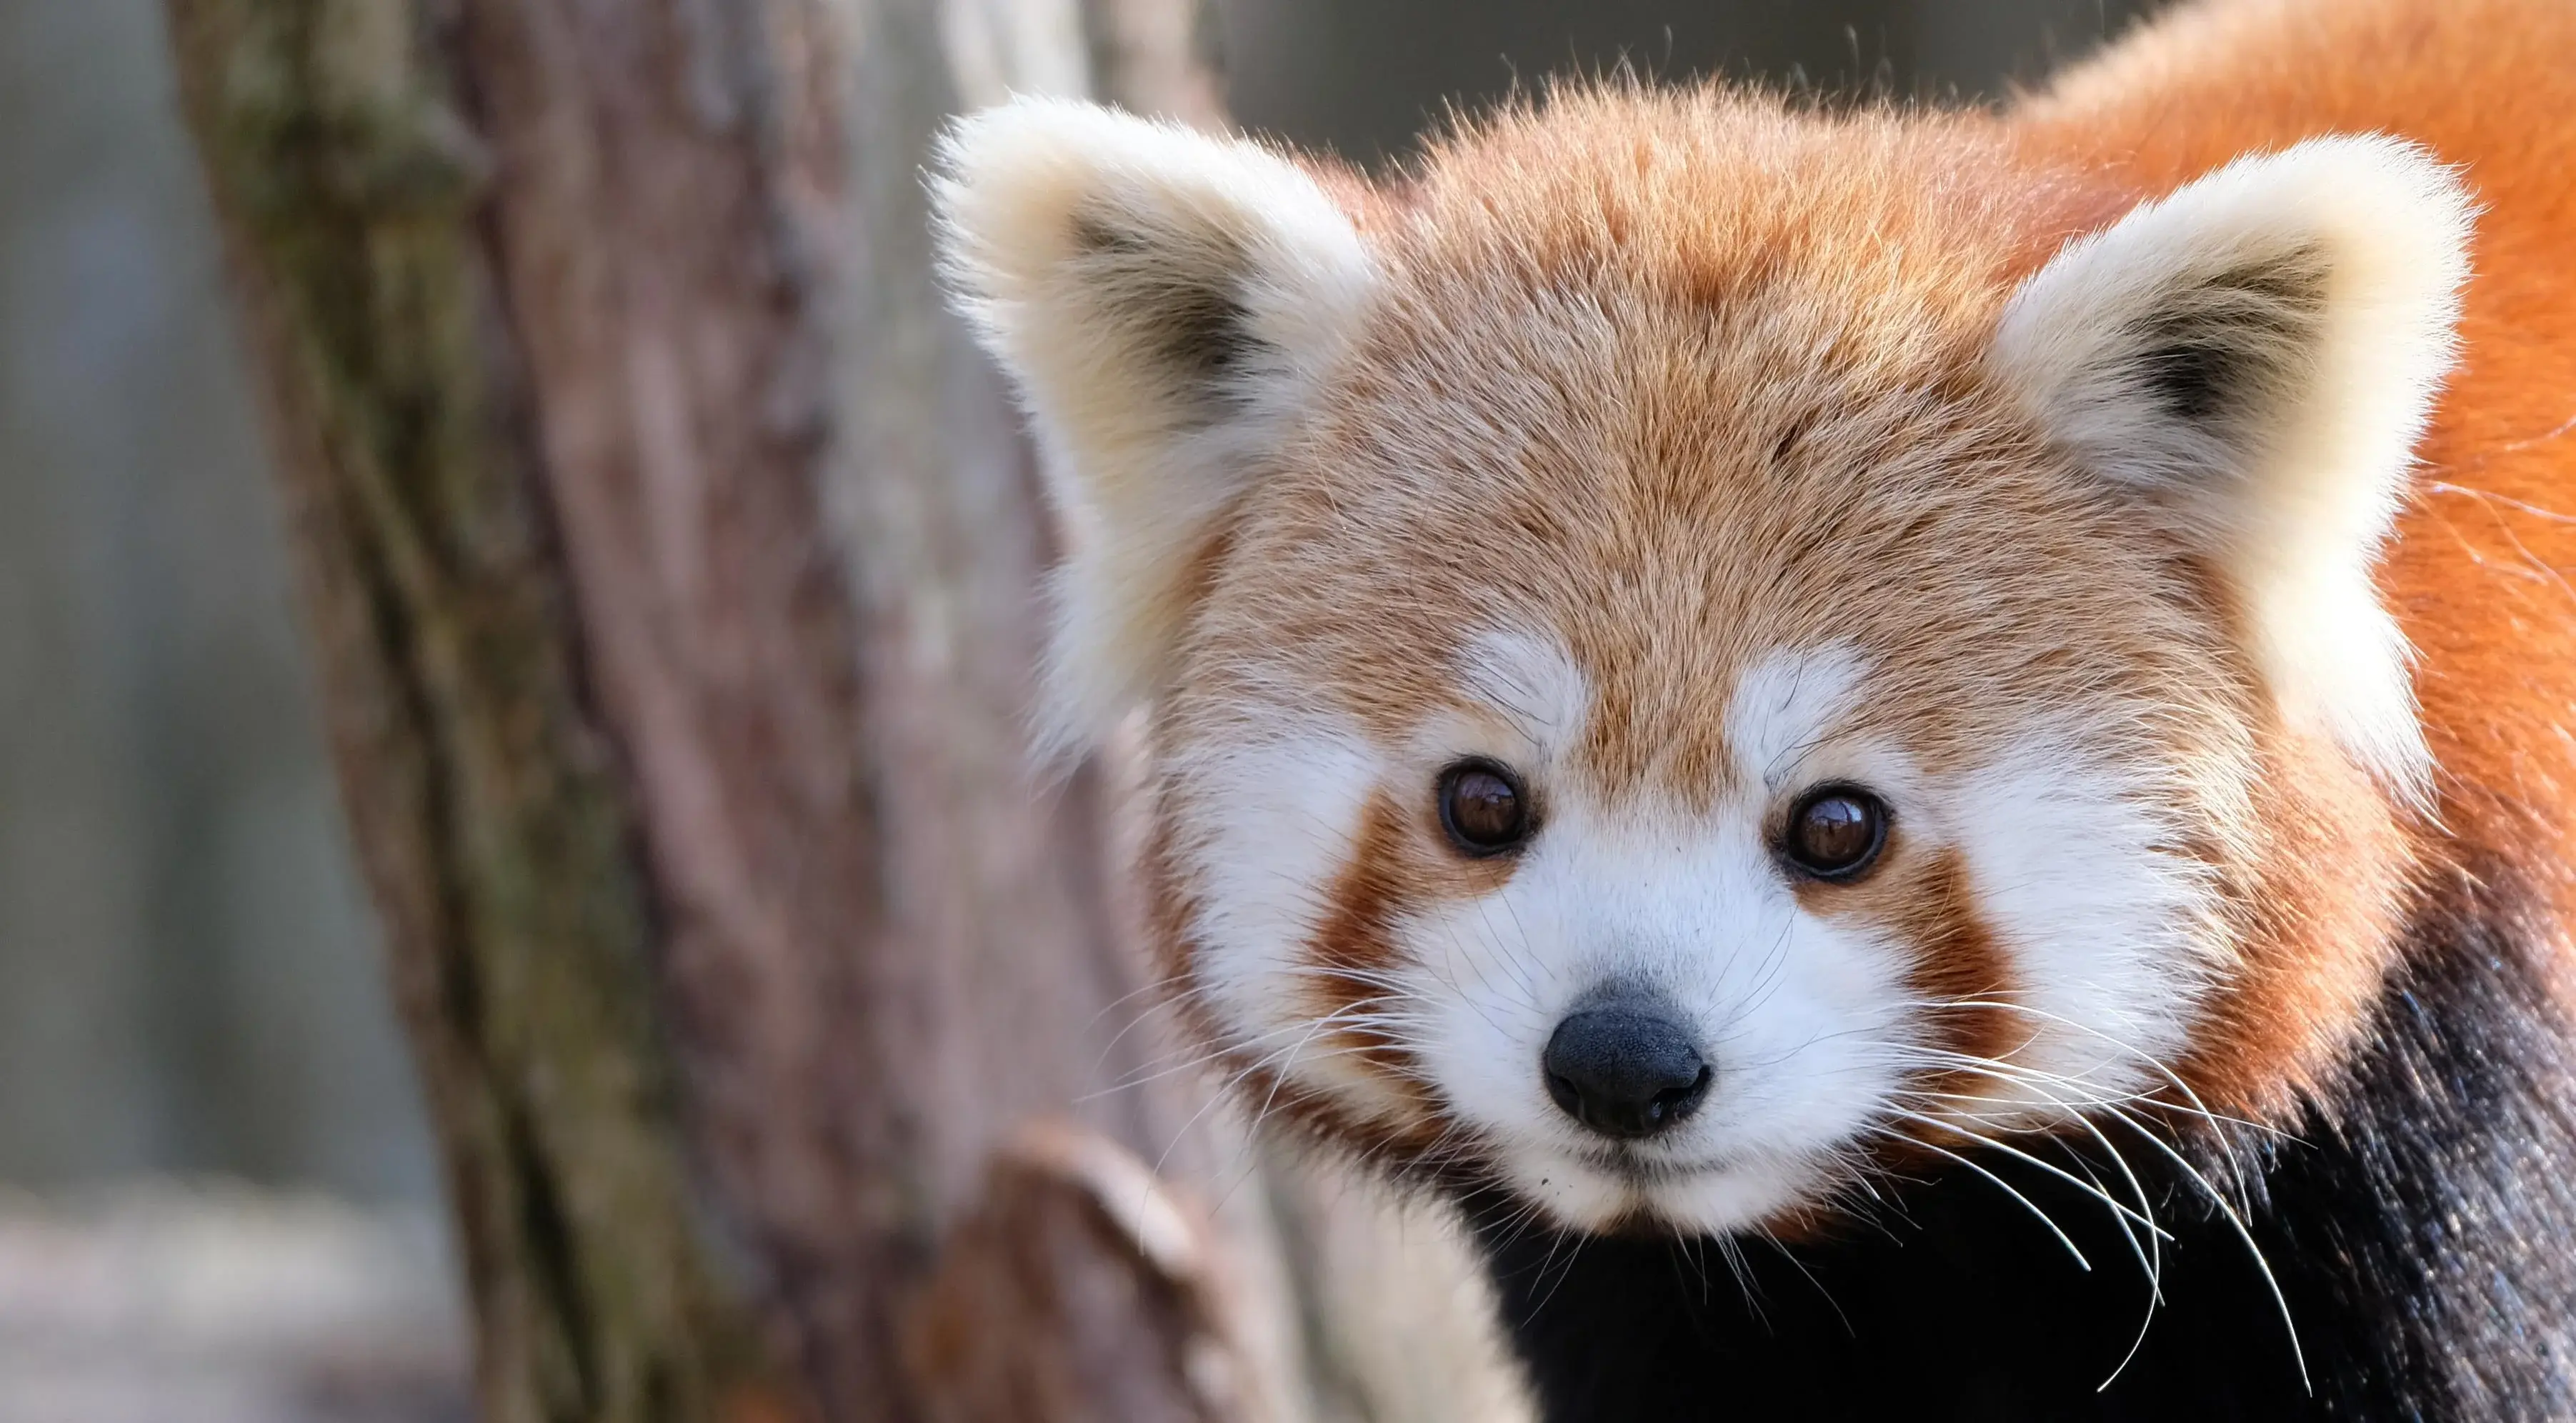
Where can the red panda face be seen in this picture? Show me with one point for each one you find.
(1680, 671)
(1833, 738)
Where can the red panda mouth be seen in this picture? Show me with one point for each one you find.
(1636, 1165)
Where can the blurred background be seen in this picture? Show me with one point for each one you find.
(217, 1196)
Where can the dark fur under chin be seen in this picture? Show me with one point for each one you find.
(2425, 1244)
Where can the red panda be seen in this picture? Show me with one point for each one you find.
(1925, 758)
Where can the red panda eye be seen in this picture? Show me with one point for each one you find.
(1835, 832)
(1482, 808)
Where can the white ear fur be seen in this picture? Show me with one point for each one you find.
(2256, 355)
(1163, 299)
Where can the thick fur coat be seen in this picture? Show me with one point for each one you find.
(2147, 512)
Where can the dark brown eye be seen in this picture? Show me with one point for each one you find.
(1835, 832)
(1482, 808)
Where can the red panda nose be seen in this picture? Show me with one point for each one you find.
(1626, 1067)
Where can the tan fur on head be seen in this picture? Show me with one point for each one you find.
(1166, 300)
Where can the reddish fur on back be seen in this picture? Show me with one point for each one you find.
(2477, 574)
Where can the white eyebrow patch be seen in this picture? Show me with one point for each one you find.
(1531, 682)
(1786, 702)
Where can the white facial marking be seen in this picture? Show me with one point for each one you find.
(1693, 908)
(1691, 905)
(2106, 925)
(1523, 704)
(1809, 1020)
(1266, 823)
(1783, 707)
(1529, 679)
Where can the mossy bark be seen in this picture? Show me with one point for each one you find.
(670, 559)
(497, 835)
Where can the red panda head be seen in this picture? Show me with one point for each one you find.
(1690, 649)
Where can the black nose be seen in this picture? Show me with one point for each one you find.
(1626, 1067)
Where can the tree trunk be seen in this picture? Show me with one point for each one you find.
(670, 558)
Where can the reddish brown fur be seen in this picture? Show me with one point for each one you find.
(1957, 959)
(2477, 572)
(1353, 946)
(1255, 1073)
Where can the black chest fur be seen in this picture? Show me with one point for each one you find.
(2423, 1238)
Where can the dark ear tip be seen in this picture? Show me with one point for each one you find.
(2191, 381)
(2234, 336)
(1094, 235)
(1180, 300)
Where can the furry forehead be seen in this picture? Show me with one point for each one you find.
(1852, 345)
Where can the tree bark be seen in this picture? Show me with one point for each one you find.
(670, 559)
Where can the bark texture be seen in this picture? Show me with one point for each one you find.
(488, 805)
(671, 558)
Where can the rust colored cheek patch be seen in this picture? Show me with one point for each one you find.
(1957, 970)
(1959, 961)
(1397, 865)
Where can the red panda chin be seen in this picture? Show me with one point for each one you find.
(1744, 1198)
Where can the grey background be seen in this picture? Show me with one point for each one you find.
(188, 977)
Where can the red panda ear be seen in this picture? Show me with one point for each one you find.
(1164, 300)
(2252, 359)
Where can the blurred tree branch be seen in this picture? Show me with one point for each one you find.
(669, 559)
(489, 813)
(1157, 57)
